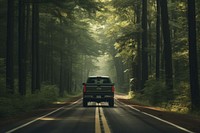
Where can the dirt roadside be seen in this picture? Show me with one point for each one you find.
(187, 121)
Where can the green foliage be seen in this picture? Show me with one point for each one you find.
(46, 95)
(181, 66)
(181, 102)
(16, 104)
(155, 92)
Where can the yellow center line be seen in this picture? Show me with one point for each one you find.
(97, 120)
(100, 117)
(104, 121)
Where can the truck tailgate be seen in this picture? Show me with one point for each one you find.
(99, 88)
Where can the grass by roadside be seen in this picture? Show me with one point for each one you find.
(177, 105)
(15, 105)
(20, 109)
(69, 97)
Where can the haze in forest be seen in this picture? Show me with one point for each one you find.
(150, 49)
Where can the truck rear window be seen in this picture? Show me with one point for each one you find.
(98, 80)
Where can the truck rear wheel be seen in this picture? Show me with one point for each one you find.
(111, 103)
(84, 103)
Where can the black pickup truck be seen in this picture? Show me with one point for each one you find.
(98, 89)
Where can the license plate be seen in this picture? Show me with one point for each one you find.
(98, 96)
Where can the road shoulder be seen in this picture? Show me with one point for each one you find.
(187, 121)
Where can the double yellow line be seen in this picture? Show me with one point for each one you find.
(100, 121)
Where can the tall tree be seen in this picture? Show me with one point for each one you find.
(167, 47)
(138, 39)
(9, 50)
(158, 41)
(144, 43)
(35, 48)
(22, 50)
(193, 64)
(61, 85)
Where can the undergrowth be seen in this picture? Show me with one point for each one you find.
(16, 104)
(155, 94)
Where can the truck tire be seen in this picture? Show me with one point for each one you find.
(84, 103)
(111, 103)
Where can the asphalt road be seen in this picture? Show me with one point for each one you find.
(96, 118)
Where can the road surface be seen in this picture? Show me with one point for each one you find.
(96, 118)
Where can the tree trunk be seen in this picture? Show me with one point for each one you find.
(51, 59)
(150, 57)
(70, 73)
(35, 48)
(9, 48)
(136, 61)
(139, 73)
(158, 41)
(61, 90)
(22, 49)
(144, 43)
(119, 71)
(194, 82)
(167, 48)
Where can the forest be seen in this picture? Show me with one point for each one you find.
(150, 49)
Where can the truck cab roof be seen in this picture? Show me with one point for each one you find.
(98, 79)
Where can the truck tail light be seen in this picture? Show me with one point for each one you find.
(113, 88)
(84, 88)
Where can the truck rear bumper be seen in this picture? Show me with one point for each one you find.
(98, 98)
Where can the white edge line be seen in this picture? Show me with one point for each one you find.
(30, 122)
(155, 117)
